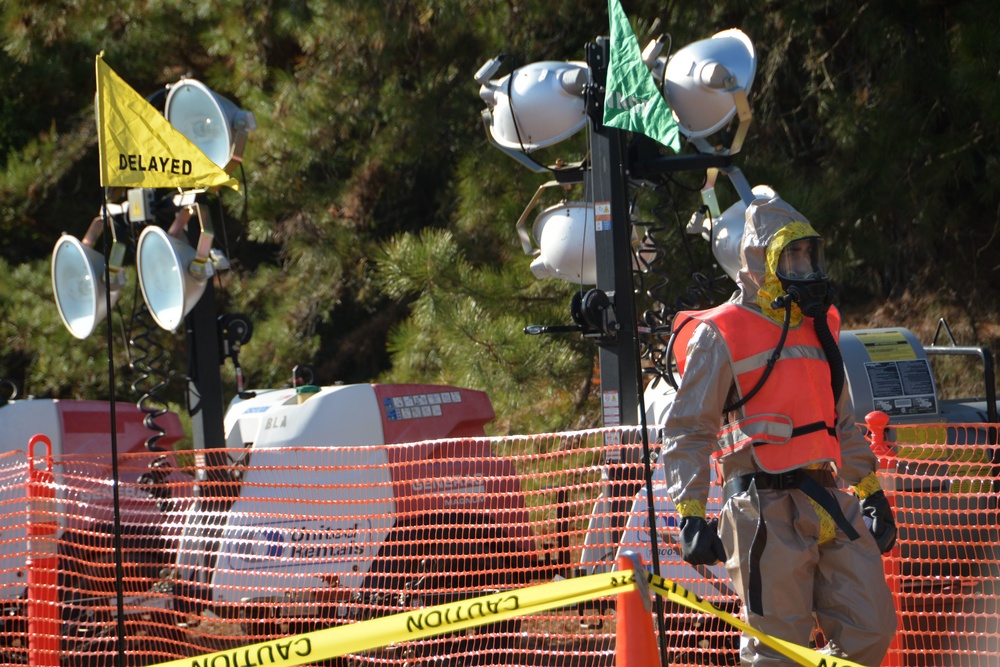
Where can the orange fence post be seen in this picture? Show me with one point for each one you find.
(877, 422)
(43, 560)
(635, 638)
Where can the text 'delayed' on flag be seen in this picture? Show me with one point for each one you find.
(139, 148)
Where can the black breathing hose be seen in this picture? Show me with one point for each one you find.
(778, 303)
(833, 355)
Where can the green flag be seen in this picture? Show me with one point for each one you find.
(632, 100)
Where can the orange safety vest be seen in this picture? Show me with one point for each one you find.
(791, 421)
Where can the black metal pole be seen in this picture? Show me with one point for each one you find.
(204, 376)
(204, 393)
(112, 413)
(613, 237)
(205, 402)
(621, 384)
(618, 349)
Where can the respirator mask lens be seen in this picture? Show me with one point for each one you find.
(802, 272)
(802, 260)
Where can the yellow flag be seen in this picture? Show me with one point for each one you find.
(140, 149)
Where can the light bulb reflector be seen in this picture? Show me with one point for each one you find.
(168, 289)
(727, 232)
(77, 285)
(194, 110)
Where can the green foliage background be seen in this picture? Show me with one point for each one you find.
(375, 239)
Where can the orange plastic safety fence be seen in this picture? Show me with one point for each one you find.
(242, 546)
(944, 482)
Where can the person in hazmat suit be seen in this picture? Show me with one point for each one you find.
(762, 398)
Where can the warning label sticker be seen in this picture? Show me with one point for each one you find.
(886, 346)
(902, 387)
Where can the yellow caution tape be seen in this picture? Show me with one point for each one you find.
(465, 614)
(417, 624)
(800, 654)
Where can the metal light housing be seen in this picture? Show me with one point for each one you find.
(79, 281)
(725, 232)
(211, 122)
(172, 274)
(533, 107)
(564, 234)
(707, 84)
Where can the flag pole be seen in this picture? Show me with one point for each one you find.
(115, 476)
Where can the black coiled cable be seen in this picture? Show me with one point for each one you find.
(702, 290)
(148, 385)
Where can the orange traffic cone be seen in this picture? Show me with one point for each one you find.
(635, 638)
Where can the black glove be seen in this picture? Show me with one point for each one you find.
(700, 542)
(878, 517)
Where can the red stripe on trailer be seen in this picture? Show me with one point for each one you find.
(86, 427)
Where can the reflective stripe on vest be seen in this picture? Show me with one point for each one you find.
(791, 420)
(772, 429)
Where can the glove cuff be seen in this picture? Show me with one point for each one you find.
(691, 508)
(867, 486)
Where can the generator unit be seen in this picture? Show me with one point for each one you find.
(386, 496)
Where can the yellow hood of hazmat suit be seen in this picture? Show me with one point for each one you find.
(771, 224)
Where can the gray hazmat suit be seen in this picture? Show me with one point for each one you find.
(809, 569)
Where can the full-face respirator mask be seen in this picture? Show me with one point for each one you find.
(802, 273)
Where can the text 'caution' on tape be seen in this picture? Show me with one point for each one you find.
(465, 614)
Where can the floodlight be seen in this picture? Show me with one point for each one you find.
(706, 84)
(727, 232)
(212, 123)
(565, 237)
(562, 239)
(533, 107)
(78, 279)
(172, 274)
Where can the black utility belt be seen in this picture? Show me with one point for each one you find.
(777, 480)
